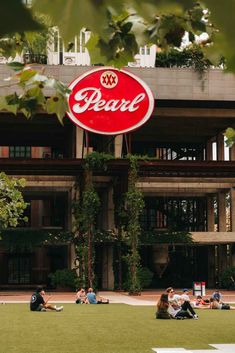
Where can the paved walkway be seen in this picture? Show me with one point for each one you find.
(146, 297)
(218, 348)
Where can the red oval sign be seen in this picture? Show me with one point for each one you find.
(109, 101)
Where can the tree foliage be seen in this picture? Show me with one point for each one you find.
(230, 136)
(118, 29)
(12, 204)
(134, 205)
(31, 99)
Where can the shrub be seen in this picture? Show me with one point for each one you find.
(227, 278)
(64, 278)
(145, 277)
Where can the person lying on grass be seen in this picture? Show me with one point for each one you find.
(200, 303)
(214, 304)
(38, 303)
(92, 299)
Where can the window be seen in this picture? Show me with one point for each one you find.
(20, 152)
(19, 269)
(181, 214)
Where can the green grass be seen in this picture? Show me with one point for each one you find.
(115, 328)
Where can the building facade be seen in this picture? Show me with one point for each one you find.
(189, 187)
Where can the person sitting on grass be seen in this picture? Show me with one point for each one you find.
(91, 297)
(162, 308)
(217, 296)
(214, 304)
(180, 306)
(37, 302)
(81, 297)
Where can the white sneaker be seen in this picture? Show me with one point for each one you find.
(59, 308)
(195, 317)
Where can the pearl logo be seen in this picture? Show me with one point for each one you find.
(109, 101)
(109, 79)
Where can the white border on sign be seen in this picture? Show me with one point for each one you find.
(134, 127)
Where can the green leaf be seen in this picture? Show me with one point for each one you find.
(73, 15)
(230, 136)
(12, 99)
(121, 60)
(126, 27)
(15, 17)
(16, 66)
(9, 107)
(221, 16)
(97, 57)
(57, 105)
(230, 132)
(26, 112)
(36, 93)
(26, 75)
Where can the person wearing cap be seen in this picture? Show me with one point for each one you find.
(180, 304)
(38, 303)
(186, 303)
(185, 295)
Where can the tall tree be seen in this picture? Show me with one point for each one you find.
(12, 204)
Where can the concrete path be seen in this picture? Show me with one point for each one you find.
(146, 297)
(218, 348)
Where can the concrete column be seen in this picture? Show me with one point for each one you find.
(160, 258)
(210, 214)
(222, 211)
(232, 153)
(220, 146)
(209, 153)
(79, 142)
(40, 263)
(232, 209)
(107, 268)
(118, 143)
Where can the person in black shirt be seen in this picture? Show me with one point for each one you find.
(37, 302)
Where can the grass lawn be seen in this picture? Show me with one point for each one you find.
(114, 328)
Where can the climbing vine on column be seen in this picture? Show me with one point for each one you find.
(85, 212)
(134, 204)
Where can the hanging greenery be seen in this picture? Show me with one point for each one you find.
(190, 57)
(27, 239)
(165, 237)
(134, 205)
(85, 210)
(97, 161)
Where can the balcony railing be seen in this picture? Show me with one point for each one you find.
(35, 58)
